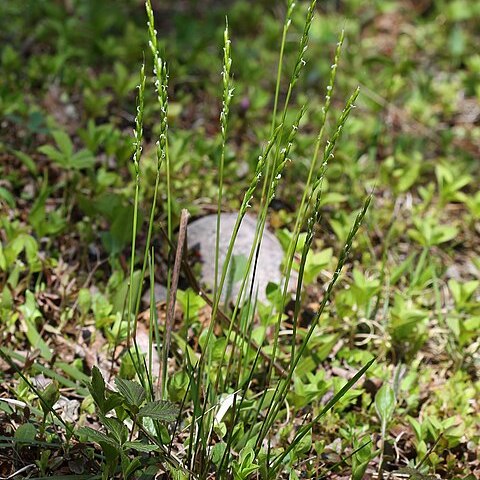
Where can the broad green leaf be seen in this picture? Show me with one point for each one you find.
(25, 433)
(118, 298)
(399, 271)
(54, 155)
(72, 372)
(30, 314)
(140, 446)
(97, 388)
(160, 410)
(360, 459)
(3, 260)
(133, 393)
(132, 466)
(98, 437)
(49, 396)
(445, 234)
(385, 403)
(63, 142)
(7, 197)
(82, 159)
(27, 160)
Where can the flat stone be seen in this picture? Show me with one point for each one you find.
(202, 237)
(160, 295)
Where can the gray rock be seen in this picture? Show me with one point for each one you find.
(160, 295)
(201, 239)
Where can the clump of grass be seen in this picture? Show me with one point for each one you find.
(221, 384)
(228, 419)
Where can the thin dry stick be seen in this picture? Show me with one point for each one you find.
(182, 235)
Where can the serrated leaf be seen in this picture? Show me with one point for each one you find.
(97, 389)
(140, 446)
(160, 410)
(63, 142)
(116, 428)
(98, 437)
(133, 393)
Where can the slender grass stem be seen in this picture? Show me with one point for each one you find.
(226, 99)
(284, 383)
(286, 26)
(138, 138)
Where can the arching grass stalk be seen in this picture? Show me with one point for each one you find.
(325, 110)
(286, 25)
(275, 167)
(275, 132)
(154, 332)
(279, 160)
(138, 139)
(284, 384)
(308, 426)
(263, 162)
(161, 85)
(299, 64)
(311, 191)
(313, 196)
(245, 205)
(308, 192)
(160, 156)
(257, 238)
(226, 99)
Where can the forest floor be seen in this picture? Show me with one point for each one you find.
(409, 293)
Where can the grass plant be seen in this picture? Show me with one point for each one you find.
(218, 385)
